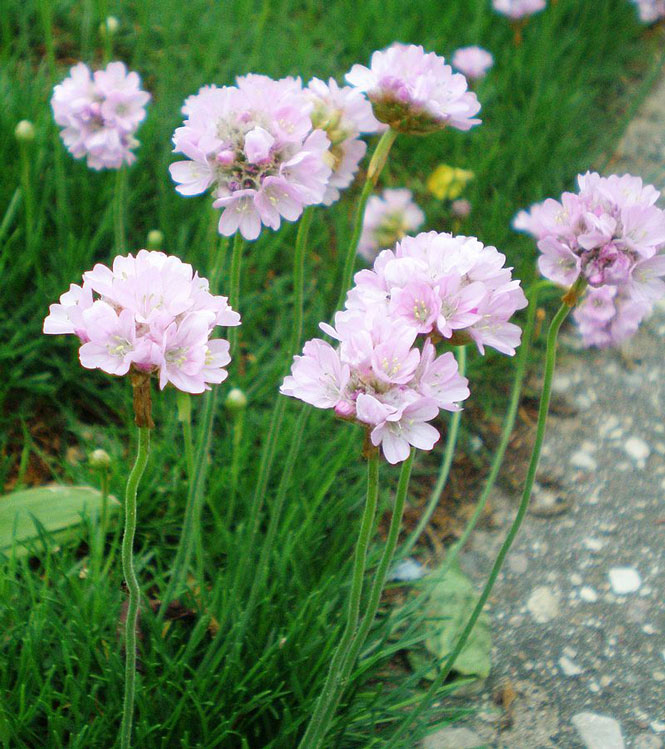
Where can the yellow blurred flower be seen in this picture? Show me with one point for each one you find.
(448, 182)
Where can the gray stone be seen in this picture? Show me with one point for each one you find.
(453, 738)
(598, 731)
(543, 604)
(647, 741)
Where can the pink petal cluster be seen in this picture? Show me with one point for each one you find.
(388, 218)
(99, 113)
(254, 147)
(414, 91)
(611, 234)
(343, 113)
(473, 62)
(444, 286)
(516, 9)
(379, 378)
(151, 312)
(650, 11)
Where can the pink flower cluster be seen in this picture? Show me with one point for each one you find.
(377, 377)
(388, 218)
(254, 145)
(445, 286)
(611, 234)
(432, 287)
(100, 112)
(414, 91)
(650, 11)
(473, 62)
(343, 113)
(152, 313)
(516, 9)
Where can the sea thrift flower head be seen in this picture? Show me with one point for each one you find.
(343, 113)
(443, 286)
(253, 146)
(150, 313)
(378, 377)
(609, 315)
(387, 219)
(448, 182)
(415, 92)
(473, 62)
(650, 11)
(516, 9)
(603, 233)
(461, 208)
(100, 114)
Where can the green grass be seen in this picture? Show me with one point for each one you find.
(551, 108)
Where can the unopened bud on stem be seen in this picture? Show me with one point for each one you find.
(24, 132)
(236, 400)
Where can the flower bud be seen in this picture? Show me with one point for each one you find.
(461, 208)
(155, 239)
(236, 400)
(109, 26)
(100, 460)
(24, 132)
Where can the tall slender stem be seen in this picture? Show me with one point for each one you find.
(376, 590)
(28, 196)
(550, 360)
(312, 737)
(446, 464)
(376, 164)
(507, 430)
(234, 291)
(132, 584)
(120, 240)
(238, 428)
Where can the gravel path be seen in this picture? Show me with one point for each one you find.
(578, 615)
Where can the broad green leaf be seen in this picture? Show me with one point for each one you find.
(450, 603)
(55, 510)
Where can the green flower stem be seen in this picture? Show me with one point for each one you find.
(550, 360)
(238, 428)
(444, 472)
(234, 291)
(62, 202)
(132, 585)
(120, 240)
(376, 164)
(28, 197)
(374, 597)
(507, 430)
(299, 280)
(313, 736)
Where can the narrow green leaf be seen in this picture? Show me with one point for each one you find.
(56, 510)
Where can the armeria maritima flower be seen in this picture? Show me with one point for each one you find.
(516, 9)
(343, 113)
(473, 62)
(388, 218)
(650, 11)
(152, 313)
(612, 235)
(443, 286)
(414, 91)
(100, 113)
(379, 378)
(254, 147)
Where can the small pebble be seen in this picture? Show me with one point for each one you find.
(625, 580)
(657, 726)
(569, 668)
(581, 459)
(637, 449)
(598, 731)
(588, 594)
(593, 544)
(543, 604)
